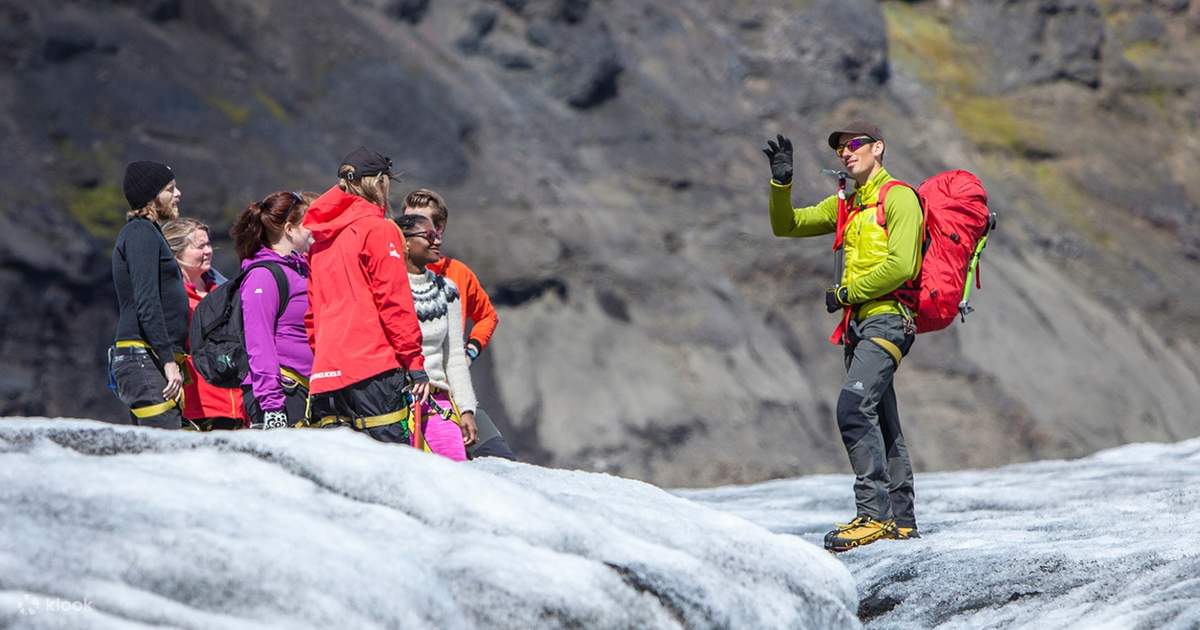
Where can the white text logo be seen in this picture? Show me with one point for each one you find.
(32, 605)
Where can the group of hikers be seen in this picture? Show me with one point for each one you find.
(353, 319)
(350, 318)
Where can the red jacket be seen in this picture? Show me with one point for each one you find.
(201, 400)
(363, 321)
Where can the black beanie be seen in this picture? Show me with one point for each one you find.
(144, 180)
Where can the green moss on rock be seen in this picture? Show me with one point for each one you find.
(99, 205)
(273, 107)
(237, 114)
(100, 210)
(923, 41)
(991, 124)
(921, 38)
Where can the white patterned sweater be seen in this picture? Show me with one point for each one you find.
(439, 310)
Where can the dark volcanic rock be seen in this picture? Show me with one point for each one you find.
(64, 41)
(410, 11)
(1040, 41)
(156, 10)
(17, 37)
(480, 25)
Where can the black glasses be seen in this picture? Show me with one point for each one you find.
(430, 235)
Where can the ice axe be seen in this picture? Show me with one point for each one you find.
(838, 254)
(418, 437)
(842, 176)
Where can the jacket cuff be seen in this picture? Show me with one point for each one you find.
(166, 354)
(473, 348)
(418, 376)
(417, 362)
(775, 184)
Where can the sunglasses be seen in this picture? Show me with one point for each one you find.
(853, 144)
(429, 235)
(296, 200)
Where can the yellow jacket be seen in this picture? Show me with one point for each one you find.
(877, 260)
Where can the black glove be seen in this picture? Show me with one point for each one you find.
(836, 298)
(780, 156)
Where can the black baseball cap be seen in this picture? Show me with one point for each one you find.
(367, 163)
(857, 128)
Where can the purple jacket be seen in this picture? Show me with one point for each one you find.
(269, 345)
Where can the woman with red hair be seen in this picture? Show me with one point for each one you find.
(271, 240)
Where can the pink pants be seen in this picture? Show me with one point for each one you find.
(443, 435)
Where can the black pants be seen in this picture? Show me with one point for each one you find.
(489, 442)
(376, 396)
(140, 382)
(295, 403)
(213, 424)
(869, 419)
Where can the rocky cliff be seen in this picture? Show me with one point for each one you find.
(601, 161)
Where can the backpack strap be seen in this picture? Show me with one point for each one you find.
(847, 209)
(908, 293)
(281, 283)
(843, 215)
(880, 216)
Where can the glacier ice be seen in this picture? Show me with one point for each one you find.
(1108, 541)
(119, 527)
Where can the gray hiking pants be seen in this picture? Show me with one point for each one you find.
(488, 442)
(870, 421)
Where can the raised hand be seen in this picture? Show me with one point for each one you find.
(779, 152)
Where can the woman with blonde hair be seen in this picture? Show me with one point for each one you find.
(205, 407)
(152, 325)
(364, 327)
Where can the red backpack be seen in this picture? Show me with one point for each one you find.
(957, 222)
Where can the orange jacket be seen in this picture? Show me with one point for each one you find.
(201, 400)
(477, 306)
(363, 320)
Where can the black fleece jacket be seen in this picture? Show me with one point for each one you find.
(154, 305)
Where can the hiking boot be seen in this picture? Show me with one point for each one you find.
(841, 527)
(861, 531)
(905, 533)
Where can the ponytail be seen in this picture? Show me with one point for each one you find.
(248, 232)
(261, 223)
